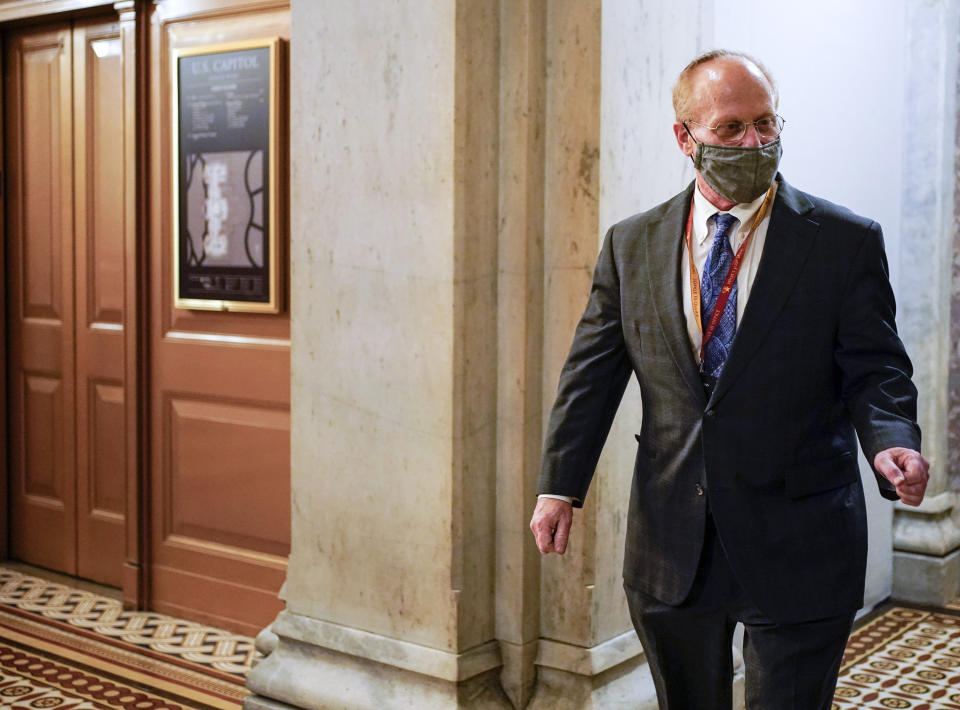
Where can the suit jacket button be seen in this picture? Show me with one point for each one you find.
(699, 490)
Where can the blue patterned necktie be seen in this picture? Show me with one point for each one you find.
(714, 274)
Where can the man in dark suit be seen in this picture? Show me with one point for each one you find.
(759, 321)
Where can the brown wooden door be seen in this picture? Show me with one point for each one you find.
(99, 300)
(65, 299)
(39, 106)
(219, 392)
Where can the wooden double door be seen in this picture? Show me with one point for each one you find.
(147, 446)
(65, 298)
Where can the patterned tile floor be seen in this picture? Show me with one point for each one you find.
(43, 666)
(901, 659)
(223, 654)
(905, 659)
(28, 681)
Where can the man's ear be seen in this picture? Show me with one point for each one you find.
(684, 140)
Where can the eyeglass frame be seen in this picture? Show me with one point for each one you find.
(781, 119)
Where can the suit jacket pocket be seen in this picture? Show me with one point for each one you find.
(820, 476)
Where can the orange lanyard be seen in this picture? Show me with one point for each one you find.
(731, 274)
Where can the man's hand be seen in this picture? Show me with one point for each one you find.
(551, 525)
(907, 470)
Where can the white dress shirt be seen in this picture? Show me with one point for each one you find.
(701, 242)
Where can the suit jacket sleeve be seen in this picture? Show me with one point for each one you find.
(591, 386)
(876, 371)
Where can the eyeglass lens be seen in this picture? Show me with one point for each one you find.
(767, 127)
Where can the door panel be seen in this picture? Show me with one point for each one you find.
(65, 302)
(99, 288)
(246, 439)
(42, 401)
(40, 298)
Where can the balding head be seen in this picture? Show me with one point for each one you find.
(687, 92)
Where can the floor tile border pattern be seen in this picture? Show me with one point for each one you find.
(216, 650)
(132, 664)
(29, 680)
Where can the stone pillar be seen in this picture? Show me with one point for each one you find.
(520, 338)
(390, 587)
(609, 154)
(573, 659)
(926, 563)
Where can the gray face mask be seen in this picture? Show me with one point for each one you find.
(738, 173)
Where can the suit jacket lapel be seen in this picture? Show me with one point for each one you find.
(664, 247)
(789, 238)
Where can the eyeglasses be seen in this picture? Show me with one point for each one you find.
(768, 127)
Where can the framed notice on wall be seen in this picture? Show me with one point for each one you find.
(226, 110)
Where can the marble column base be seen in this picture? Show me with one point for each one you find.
(926, 579)
(926, 551)
(519, 673)
(613, 674)
(255, 702)
(265, 643)
(317, 665)
(627, 685)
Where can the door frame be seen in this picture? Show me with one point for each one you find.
(4, 435)
(134, 32)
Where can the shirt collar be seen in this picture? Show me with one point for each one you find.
(703, 210)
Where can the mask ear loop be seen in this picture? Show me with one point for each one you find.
(697, 156)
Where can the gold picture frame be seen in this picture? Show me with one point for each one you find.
(227, 230)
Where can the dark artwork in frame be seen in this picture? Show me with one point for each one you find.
(225, 117)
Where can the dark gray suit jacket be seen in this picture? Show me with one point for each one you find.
(815, 363)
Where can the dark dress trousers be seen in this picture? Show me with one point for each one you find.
(816, 362)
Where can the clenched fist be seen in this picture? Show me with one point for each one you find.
(907, 470)
(551, 525)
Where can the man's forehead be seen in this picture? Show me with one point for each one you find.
(723, 84)
(729, 69)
